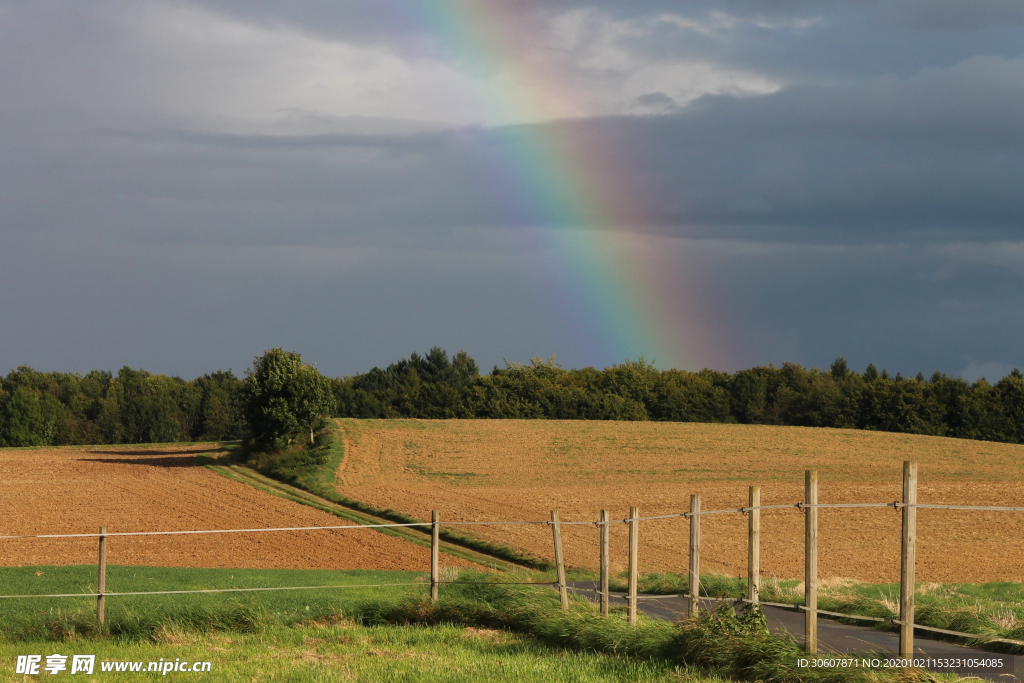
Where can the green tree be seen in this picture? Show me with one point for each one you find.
(149, 407)
(4, 397)
(748, 393)
(312, 397)
(283, 396)
(218, 407)
(1011, 398)
(682, 396)
(30, 418)
(839, 369)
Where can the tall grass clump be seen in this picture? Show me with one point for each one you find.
(995, 610)
(144, 623)
(672, 583)
(724, 643)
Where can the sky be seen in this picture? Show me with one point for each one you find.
(704, 184)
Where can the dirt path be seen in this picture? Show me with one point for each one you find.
(76, 490)
(340, 474)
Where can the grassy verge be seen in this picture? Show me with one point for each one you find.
(347, 652)
(313, 470)
(145, 616)
(483, 628)
(724, 644)
(669, 583)
(988, 609)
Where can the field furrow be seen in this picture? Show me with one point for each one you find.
(76, 490)
(520, 469)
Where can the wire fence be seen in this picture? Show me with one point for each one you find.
(808, 507)
(799, 505)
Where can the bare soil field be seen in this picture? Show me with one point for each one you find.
(472, 470)
(76, 490)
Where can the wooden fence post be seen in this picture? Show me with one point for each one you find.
(604, 563)
(754, 545)
(907, 559)
(101, 597)
(556, 533)
(435, 554)
(694, 554)
(811, 562)
(634, 542)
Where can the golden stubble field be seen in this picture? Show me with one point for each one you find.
(76, 490)
(473, 470)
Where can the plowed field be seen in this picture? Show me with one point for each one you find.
(520, 470)
(69, 490)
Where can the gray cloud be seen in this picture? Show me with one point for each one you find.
(940, 154)
(949, 15)
(943, 150)
(870, 207)
(838, 39)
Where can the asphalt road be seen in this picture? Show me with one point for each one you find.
(833, 637)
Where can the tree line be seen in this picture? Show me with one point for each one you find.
(281, 397)
(434, 386)
(134, 406)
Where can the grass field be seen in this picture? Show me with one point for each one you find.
(346, 652)
(482, 629)
(145, 616)
(307, 635)
(498, 630)
(517, 469)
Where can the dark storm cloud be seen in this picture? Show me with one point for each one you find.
(956, 308)
(937, 156)
(805, 39)
(943, 150)
(870, 207)
(950, 15)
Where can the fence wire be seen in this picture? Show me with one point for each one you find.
(424, 583)
(347, 527)
(799, 505)
(216, 590)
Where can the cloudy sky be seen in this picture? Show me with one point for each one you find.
(720, 184)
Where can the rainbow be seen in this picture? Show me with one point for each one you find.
(622, 293)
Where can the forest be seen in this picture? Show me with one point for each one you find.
(135, 406)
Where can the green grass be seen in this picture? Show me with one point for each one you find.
(987, 609)
(347, 652)
(144, 616)
(395, 634)
(670, 583)
(722, 643)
